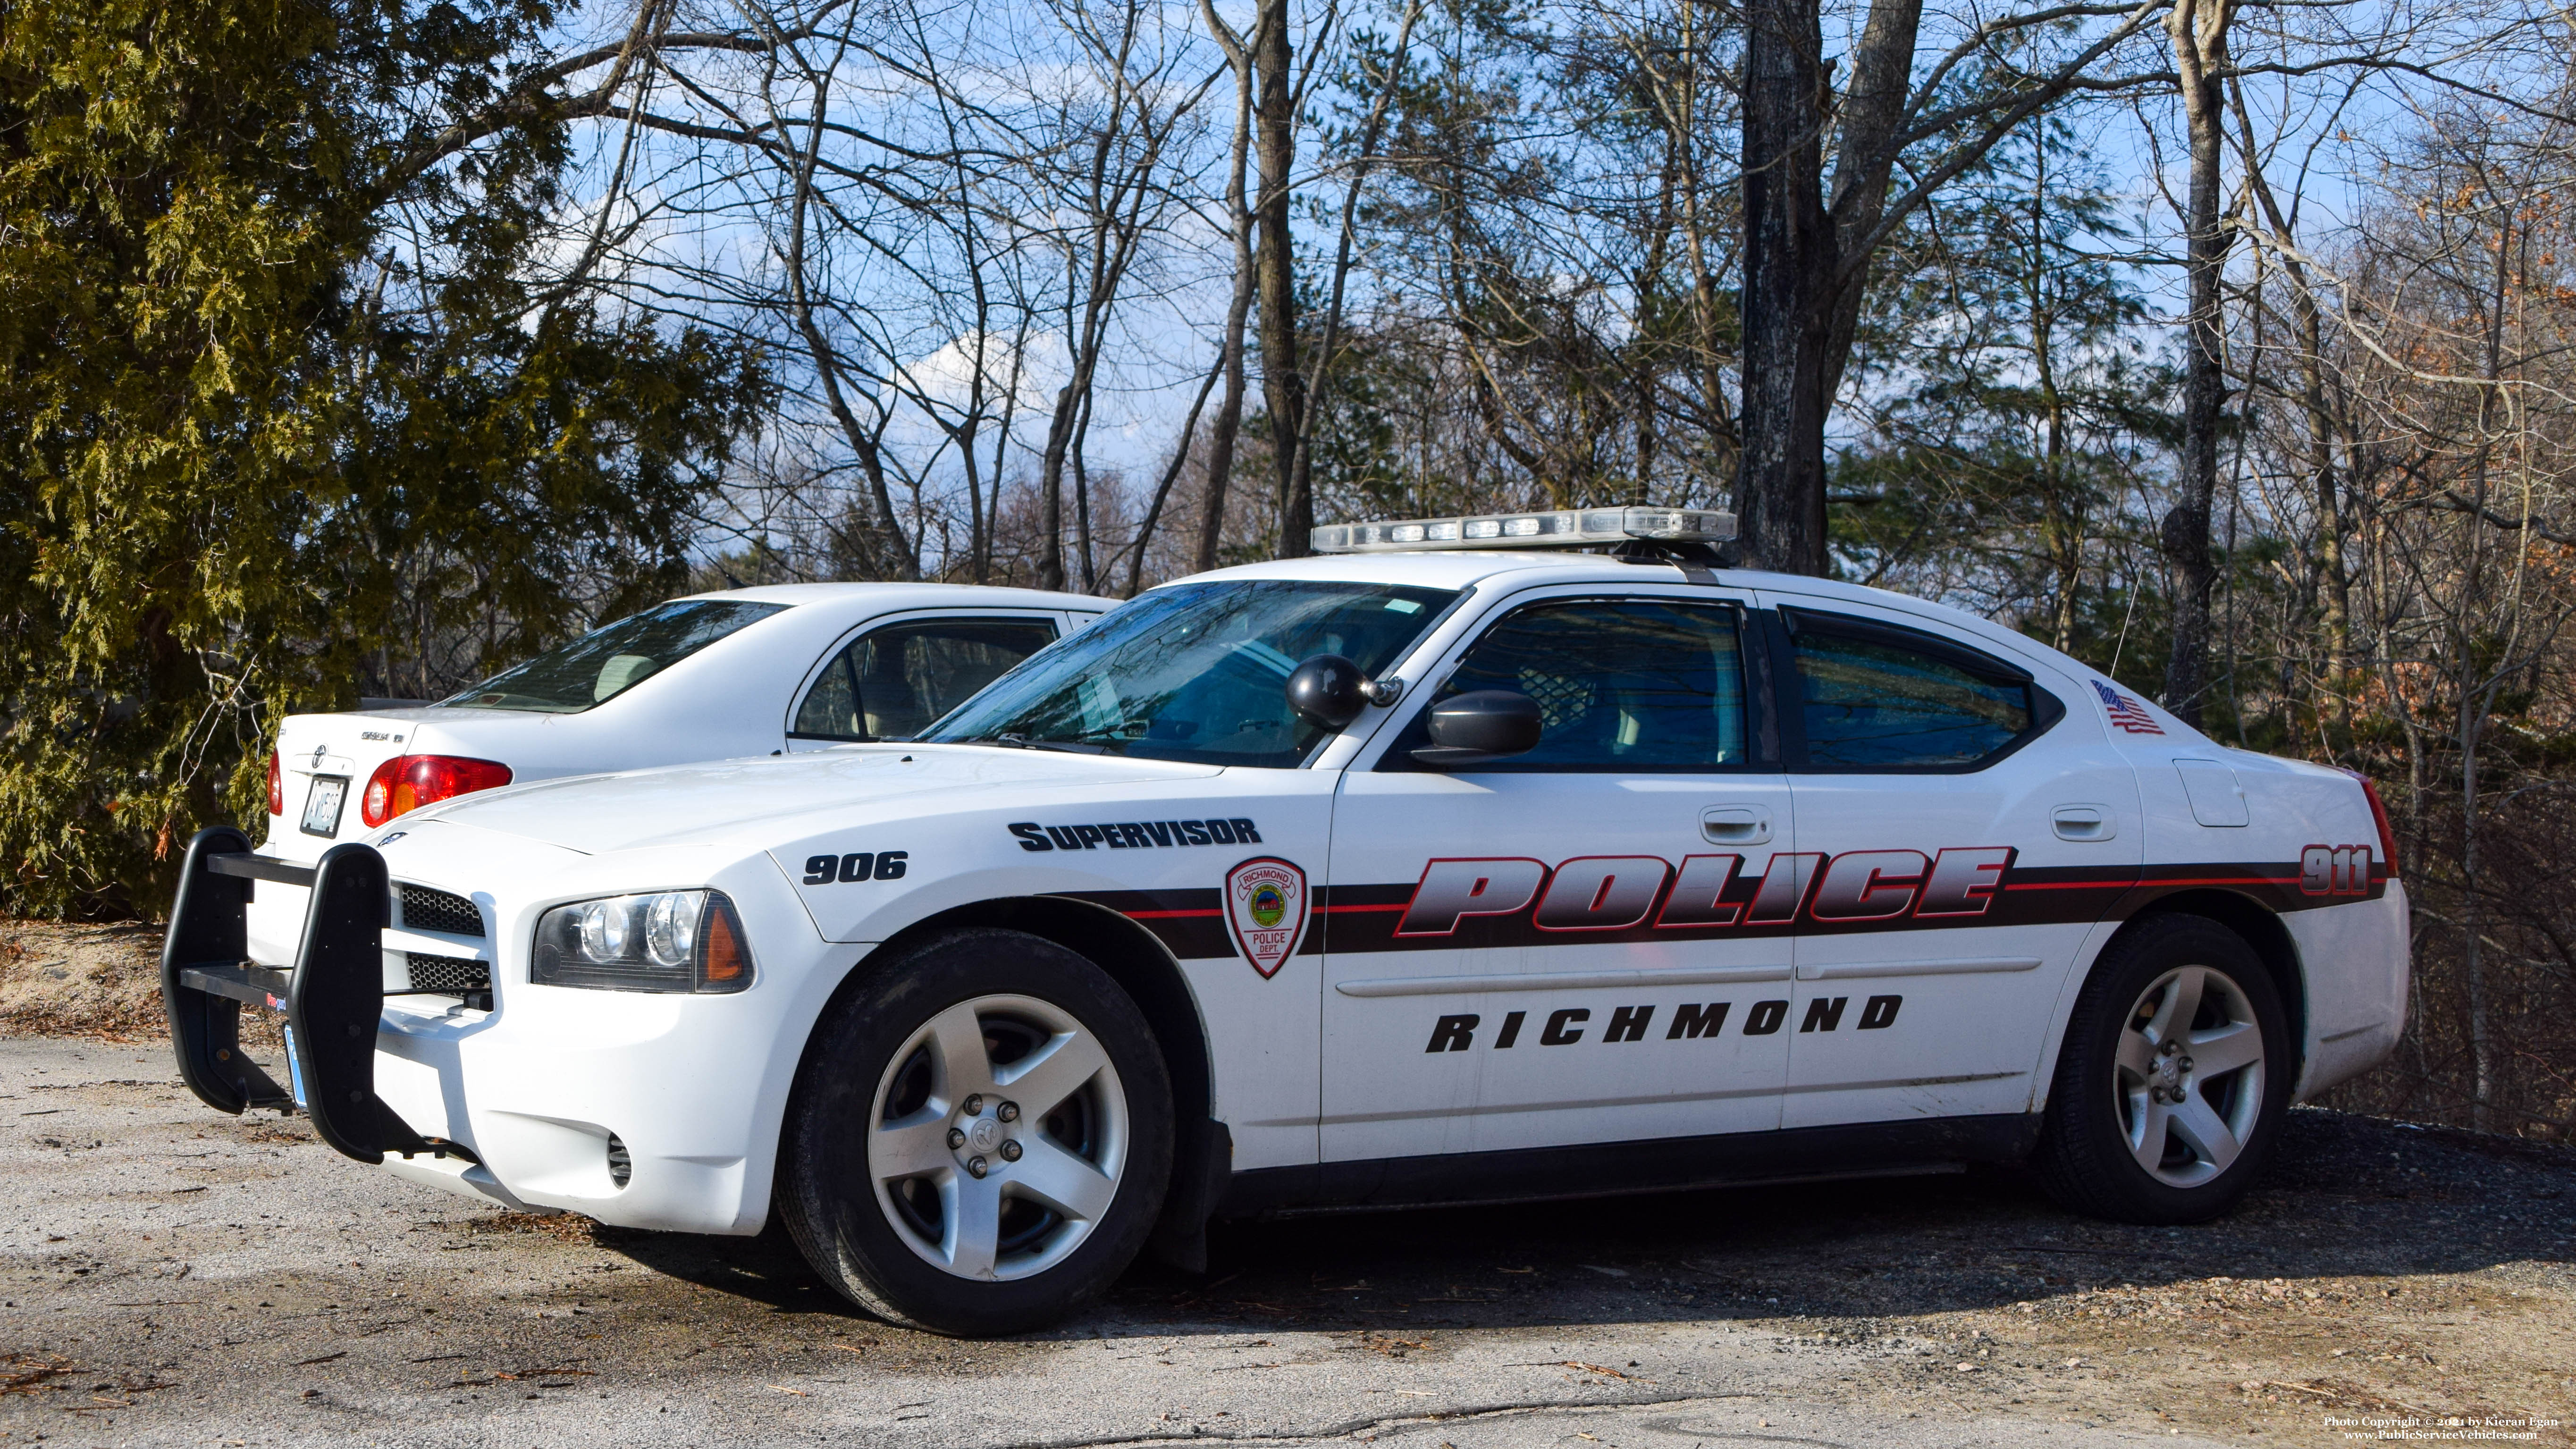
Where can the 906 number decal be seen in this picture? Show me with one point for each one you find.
(858, 865)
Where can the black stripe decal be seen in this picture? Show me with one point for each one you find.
(1363, 917)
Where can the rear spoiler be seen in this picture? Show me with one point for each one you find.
(333, 996)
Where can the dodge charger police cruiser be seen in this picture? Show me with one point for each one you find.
(1453, 864)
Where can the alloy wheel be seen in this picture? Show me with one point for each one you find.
(997, 1138)
(2188, 1076)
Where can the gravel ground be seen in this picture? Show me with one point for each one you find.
(59, 979)
(172, 1276)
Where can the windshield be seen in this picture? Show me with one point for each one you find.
(1194, 672)
(613, 658)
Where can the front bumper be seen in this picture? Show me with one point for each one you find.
(332, 996)
(638, 1109)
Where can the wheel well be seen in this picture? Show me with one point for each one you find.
(2259, 929)
(1202, 1151)
(1132, 957)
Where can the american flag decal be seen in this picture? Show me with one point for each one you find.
(2125, 712)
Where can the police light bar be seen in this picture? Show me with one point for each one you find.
(1556, 528)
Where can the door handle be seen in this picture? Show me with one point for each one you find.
(2085, 822)
(1736, 824)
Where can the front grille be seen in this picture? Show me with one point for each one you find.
(424, 909)
(446, 973)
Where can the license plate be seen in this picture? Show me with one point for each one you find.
(322, 807)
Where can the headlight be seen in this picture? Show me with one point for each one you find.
(668, 941)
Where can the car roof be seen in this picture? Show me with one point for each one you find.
(910, 596)
(1465, 568)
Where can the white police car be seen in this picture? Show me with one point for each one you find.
(1443, 873)
(767, 670)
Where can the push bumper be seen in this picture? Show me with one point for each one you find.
(332, 996)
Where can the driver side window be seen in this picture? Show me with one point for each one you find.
(1650, 685)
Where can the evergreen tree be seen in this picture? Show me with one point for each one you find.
(283, 394)
(2014, 409)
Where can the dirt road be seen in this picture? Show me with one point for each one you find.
(170, 1276)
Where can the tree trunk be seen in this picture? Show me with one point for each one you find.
(1871, 119)
(1788, 270)
(1302, 471)
(1805, 260)
(1002, 442)
(1076, 455)
(2472, 952)
(2333, 578)
(1282, 385)
(1171, 475)
(1648, 353)
(2198, 29)
(1229, 413)
(2477, 698)
(1051, 482)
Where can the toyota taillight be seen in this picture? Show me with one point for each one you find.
(276, 786)
(407, 782)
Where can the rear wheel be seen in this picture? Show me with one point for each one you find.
(980, 1137)
(2174, 1078)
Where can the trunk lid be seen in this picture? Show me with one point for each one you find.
(315, 750)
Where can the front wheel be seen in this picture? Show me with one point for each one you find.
(2174, 1078)
(981, 1135)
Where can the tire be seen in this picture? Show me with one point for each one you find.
(959, 1221)
(2134, 1134)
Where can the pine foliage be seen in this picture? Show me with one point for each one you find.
(283, 385)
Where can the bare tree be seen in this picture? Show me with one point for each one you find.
(1119, 195)
(1229, 415)
(1268, 55)
(2198, 29)
(1808, 253)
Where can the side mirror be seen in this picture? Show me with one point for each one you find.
(1487, 724)
(1327, 690)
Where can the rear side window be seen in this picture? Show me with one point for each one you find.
(1881, 697)
(894, 682)
(1653, 685)
(613, 658)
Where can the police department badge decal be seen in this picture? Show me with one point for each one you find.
(1265, 905)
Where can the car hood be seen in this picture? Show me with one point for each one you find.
(765, 799)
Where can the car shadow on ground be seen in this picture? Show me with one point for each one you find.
(2346, 1197)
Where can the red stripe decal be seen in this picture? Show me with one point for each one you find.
(1336, 910)
(1168, 915)
(2102, 885)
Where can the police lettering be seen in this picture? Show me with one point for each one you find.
(1624, 892)
(1135, 834)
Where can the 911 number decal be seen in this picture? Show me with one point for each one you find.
(856, 866)
(2334, 870)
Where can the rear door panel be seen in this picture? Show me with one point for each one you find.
(1951, 908)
